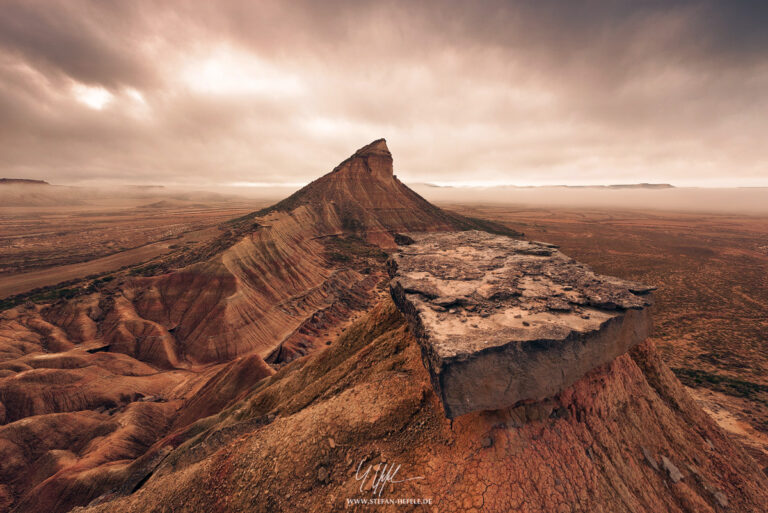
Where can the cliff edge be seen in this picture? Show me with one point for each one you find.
(502, 321)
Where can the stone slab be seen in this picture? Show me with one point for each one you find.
(501, 320)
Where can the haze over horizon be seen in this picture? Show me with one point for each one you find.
(272, 93)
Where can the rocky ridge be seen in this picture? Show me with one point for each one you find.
(159, 346)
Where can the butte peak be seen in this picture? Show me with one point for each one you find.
(363, 196)
(377, 147)
(372, 160)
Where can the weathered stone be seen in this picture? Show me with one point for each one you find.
(649, 458)
(721, 499)
(539, 320)
(674, 473)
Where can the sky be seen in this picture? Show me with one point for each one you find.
(486, 92)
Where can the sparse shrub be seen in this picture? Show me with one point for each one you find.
(725, 384)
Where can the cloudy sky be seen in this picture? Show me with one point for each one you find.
(546, 92)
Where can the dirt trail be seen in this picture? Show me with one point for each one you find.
(23, 282)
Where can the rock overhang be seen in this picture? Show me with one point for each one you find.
(502, 321)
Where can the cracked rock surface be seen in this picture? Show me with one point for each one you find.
(501, 320)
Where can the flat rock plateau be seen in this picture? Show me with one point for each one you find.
(266, 369)
(502, 321)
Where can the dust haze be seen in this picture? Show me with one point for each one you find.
(685, 199)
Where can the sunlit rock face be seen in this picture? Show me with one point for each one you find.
(502, 321)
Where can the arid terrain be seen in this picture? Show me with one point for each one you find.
(711, 271)
(448, 257)
(68, 233)
(260, 361)
(47, 235)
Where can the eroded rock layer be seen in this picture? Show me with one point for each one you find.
(157, 347)
(501, 320)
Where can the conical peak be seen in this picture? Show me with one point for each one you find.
(367, 196)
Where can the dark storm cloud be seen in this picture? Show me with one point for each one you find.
(279, 91)
(93, 42)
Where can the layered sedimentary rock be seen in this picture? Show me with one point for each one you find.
(187, 334)
(502, 321)
(362, 195)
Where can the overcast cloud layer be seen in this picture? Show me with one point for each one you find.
(484, 92)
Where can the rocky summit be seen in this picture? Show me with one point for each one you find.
(502, 321)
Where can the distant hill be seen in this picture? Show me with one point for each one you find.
(22, 181)
(613, 186)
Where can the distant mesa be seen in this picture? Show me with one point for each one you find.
(561, 186)
(642, 186)
(22, 181)
(612, 186)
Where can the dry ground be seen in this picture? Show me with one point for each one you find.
(712, 276)
(45, 245)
